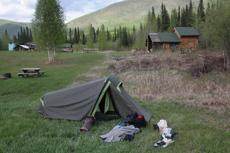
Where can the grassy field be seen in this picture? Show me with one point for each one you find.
(23, 130)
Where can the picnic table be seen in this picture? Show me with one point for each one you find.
(31, 72)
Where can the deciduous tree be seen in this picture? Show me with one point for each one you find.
(48, 26)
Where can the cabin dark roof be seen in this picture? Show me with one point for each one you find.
(169, 37)
(187, 31)
(163, 37)
(154, 37)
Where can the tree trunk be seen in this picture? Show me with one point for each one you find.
(51, 56)
(54, 52)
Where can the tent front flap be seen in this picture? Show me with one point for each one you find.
(125, 104)
(72, 103)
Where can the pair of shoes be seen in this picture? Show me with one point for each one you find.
(163, 143)
(159, 143)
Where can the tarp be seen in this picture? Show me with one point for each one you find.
(79, 101)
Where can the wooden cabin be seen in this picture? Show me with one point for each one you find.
(188, 36)
(162, 40)
(181, 38)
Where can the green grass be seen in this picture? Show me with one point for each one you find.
(23, 130)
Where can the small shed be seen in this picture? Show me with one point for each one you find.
(189, 37)
(162, 40)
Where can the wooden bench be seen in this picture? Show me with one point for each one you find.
(31, 74)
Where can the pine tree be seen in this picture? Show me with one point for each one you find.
(97, 34)
(151, 21)
(201, 11)
(21, 36)
(119, 32)
(75, 35)
(186, 16)
(165, 20)
(183, 17)
(191, 19)
(27, 34)
(158, 23)
(178, 17)
(173, 20)
(83, 38)
(134, 34)
(48, 26)
(108, 35)
(70, 40)
(0, 44)
(78, 35)
(5, 40)
(114, 34)
(94, 35)
(140, 40)
(102, 38)
(24, 37)
(153, 14)
(66, 37)
(30, 36)
(15, 40)
(149, 24)
(18, 36)
(208, 8)
(154, 20)
(91, 36)
(124, 39)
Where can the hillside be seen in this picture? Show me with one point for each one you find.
(2, 22)
(127, 12)
(11, 26)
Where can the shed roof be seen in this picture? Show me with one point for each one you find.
(168, 37)
(187, 31)
(154, 37)
(164, 37)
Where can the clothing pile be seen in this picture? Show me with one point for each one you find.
(135, 119)
(167, 134)
(119, 133)
(125, 130)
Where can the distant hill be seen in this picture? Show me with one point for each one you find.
(127, 12)
(11, 27)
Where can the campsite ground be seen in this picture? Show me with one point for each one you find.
(22, 129)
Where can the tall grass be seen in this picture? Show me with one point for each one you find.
(168, 76)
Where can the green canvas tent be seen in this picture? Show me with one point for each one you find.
(79, 101)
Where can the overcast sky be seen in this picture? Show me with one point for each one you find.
(23, 10)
